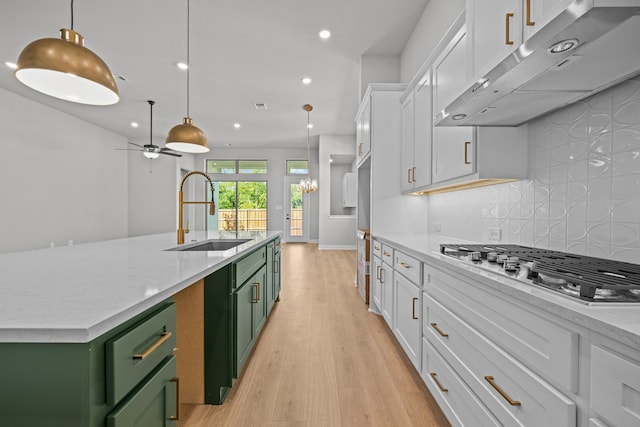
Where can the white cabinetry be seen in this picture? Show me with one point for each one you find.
(386, 285)
(407, 312)
(416, 135)
(363, 130)
(376, 287)
(451, 72)
(349, 190)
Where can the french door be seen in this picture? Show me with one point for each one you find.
(296, 215)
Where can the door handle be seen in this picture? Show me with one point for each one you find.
(507, 41)
(530, 23)
(287, 217)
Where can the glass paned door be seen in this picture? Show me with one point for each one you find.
(241, 206)
(295, 220)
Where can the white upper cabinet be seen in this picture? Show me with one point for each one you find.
(450, 72)
(416, 136)
(453, 153)
(538, 13)
(363, 131)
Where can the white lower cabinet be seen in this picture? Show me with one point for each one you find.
(615, 387)
(376, 286)
(386, 289)
(461, 406)
(407, 311)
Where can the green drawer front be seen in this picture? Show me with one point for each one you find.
(248, 265)
(154, 403)
(138, 351)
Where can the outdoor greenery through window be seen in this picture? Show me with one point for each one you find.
(237, 166)
(297, 167)
(241, 206)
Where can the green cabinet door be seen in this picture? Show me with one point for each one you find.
(276, 273)
(269, 287)
(154, 403)
(260, 303)
(243, 301)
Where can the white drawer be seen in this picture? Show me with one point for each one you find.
(461, 406)
(615, 387)
(513, 393)
(409, 267)
(547, 348)
(377, 248)
(387, 254)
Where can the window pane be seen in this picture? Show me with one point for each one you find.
(252, 206)
(297, 167)
(296, 210)
(221, 166)
(252, 166)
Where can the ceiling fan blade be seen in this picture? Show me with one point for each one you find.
(135, 144)
(169, 152)
(127, 149)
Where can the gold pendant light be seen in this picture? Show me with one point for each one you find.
(308, 185)
(65, 69)
(186, 137)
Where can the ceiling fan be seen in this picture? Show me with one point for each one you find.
(150, 150)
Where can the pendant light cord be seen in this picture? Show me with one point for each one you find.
(72, 14)
(188, 62)
(308, 156)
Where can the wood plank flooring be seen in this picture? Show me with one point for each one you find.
(322, 359)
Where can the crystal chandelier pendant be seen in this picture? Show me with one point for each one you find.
(308, 185)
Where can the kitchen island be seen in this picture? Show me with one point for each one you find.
(88, 332)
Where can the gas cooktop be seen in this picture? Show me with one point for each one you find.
(587, 279)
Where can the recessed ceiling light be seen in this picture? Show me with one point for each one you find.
(182, 65)
(11, 65)
(236, 125)
(310, 125)
(134, 124)
(228, 145)
(324, 34)
(306, 80)
(563, 46)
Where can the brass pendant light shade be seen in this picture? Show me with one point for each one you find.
(187, 138)
(65, 69)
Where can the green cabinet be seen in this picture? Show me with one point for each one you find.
(72, 384)
(250, 316)
(273, 273)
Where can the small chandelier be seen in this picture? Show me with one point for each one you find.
(187, 137)
(308, 185)
(65, 69)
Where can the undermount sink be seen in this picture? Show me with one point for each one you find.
(211, 245)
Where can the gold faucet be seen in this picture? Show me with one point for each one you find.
(181, 202)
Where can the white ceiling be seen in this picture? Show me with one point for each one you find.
(242, 51)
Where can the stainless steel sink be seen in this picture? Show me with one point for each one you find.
(211, 245)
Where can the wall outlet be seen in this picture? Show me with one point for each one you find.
(437, 227)
(495, 234)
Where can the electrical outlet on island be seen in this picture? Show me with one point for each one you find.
(495, 234)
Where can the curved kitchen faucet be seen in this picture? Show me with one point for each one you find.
(181, 202)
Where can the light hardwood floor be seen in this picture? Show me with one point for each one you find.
(322, 358)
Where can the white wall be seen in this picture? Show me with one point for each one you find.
(432, 26)
(583, 191)
(61, 178)
(378, 69)
(335, 232)
(276, 158)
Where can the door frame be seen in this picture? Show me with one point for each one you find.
(288, 180)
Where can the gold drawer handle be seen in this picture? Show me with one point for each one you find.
(409, 176)
(413, 174)
(176, 417)
(435, 326)
(378, 274)
(386, 254)
(405, 265)
(507, 20)
(377, 248)
(434, 376)
(467, 144)
(413, 309)
(164, 337)
(530, 23)
(491, 381)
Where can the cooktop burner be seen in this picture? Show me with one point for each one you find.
(588, 279)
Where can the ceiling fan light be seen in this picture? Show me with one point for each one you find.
(65, 69)
(150, 154)
(187, 138)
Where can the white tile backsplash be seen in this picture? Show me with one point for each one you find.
(583, 190)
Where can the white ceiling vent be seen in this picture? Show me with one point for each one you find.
(259, 105)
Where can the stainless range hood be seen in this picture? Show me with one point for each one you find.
(532, 81)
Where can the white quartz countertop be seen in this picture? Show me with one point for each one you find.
(619, 321)
(77, 293)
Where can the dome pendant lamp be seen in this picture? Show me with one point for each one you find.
(65, 69)
(308, 185)
(186, 137)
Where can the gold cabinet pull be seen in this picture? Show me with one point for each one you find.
(360, 149)
(276, 266)
(491, 381)
(435, 379)
(387, 254)
(164, 337)
(405, 265)
(413, 174)
(176, 417)
(529, 21)
(378, 274)
(467, 144)
(257, 298)
(381, 276)
(507, 21)
(409, 175)
(413, 309)
(442, 334)
(377, 248)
